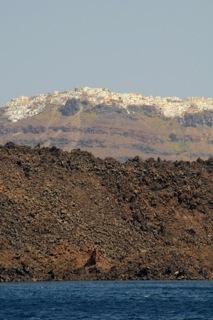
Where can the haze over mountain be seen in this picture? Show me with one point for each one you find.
(121, 125)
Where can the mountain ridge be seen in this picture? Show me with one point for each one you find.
(168, 106)
(105, 123)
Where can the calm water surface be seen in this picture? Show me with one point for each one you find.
(113, 300)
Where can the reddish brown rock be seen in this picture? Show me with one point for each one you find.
(73, 216)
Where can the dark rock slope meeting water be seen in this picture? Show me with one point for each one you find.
(73, 216)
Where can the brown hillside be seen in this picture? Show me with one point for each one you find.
(73, 216)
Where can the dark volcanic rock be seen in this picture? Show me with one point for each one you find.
(71, 107)
(197, 119)
(73, 216)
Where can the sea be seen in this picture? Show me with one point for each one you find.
(111, 300)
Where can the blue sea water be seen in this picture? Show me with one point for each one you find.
(112, 300)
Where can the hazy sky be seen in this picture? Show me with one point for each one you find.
(158, 47)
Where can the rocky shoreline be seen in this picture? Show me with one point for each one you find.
(71, 216)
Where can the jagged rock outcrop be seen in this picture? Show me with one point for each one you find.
(197, 119)
(73, 216)
(112, 124)
(71, 107)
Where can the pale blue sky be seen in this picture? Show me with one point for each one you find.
(158, 47)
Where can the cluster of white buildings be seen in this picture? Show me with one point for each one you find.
(23, 107)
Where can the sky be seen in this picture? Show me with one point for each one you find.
(154, 47)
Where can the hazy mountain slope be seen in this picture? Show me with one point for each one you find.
(112, 124)
(73, 216)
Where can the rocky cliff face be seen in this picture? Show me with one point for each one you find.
(73, 216)
(109, 123)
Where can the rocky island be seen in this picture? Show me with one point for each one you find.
(70, 215)
(109, 123)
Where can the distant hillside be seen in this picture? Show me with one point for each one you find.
(121, 125)
(73, 216)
